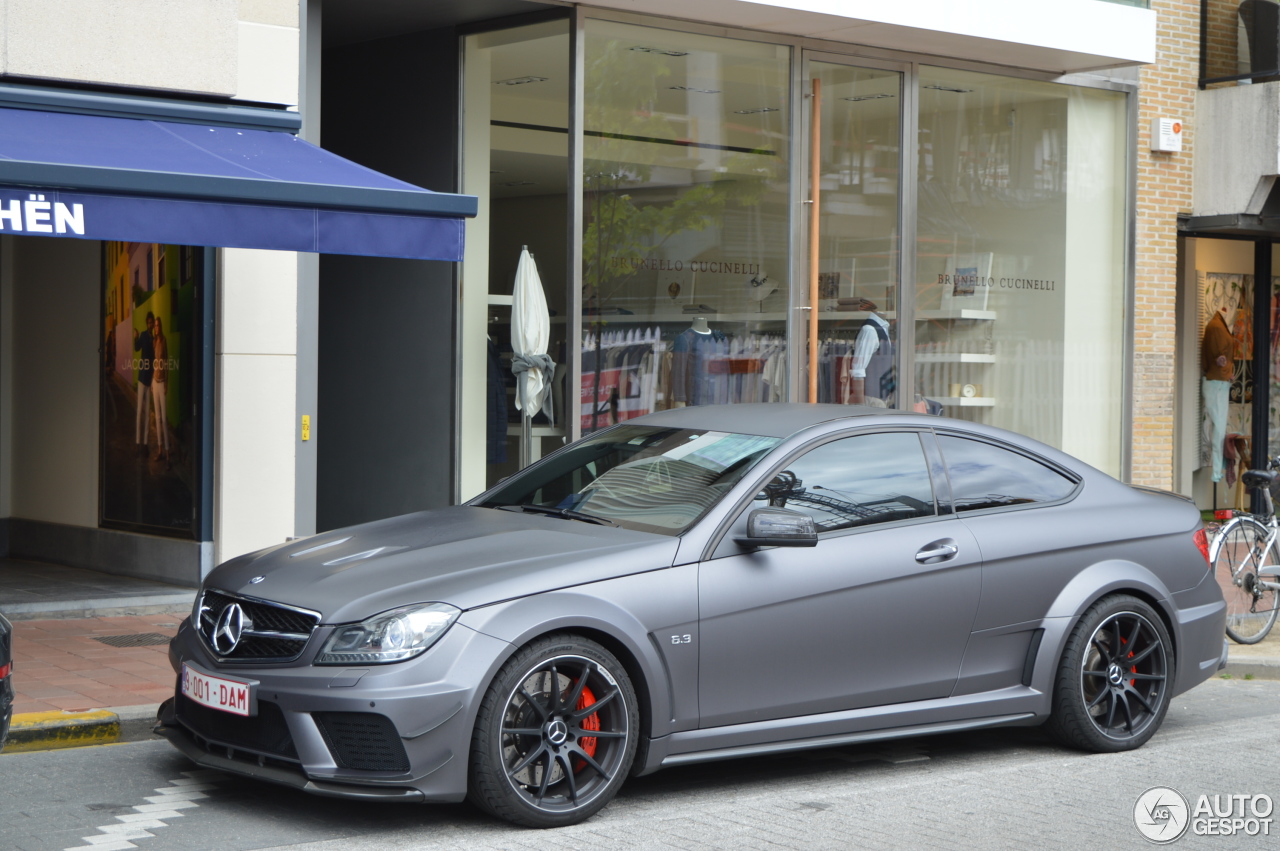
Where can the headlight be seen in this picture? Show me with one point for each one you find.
(389, 637)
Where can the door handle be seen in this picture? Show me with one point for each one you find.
(937, 551)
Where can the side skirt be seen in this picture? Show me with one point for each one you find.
(848, 739)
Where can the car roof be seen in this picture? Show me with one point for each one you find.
(778, 419)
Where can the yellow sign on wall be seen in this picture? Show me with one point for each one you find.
(306, 426)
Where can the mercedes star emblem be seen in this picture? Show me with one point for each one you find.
(226, 635)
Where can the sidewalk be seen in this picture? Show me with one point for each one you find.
(90, 653)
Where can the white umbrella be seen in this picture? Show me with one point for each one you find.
(530, 334)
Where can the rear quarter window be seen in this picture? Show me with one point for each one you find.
(984, 475)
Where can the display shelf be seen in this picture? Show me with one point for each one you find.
(965, 401)
(956, 313)
(955, 357)
(513, 430)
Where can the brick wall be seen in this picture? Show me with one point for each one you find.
(1221, 49)
(1167, 89)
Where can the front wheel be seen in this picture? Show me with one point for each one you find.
(1242, 562)
(1112, 688)
(555, 735)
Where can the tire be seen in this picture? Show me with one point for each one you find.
(551, 757)
(1238, 559)
(1104, 701)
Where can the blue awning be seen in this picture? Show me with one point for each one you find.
(102, 177)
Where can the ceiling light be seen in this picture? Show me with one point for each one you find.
(520, 81)
(692, 89)
(947, 89)
(659, 51)
(756, 111)
(857, 98)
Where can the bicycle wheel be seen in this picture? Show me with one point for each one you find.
(1241, 560)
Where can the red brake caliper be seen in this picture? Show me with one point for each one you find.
(1133, 669)
(591, 722)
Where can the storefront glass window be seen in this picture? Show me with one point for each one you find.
(516, 96)
(858, 195)
(1021, 258)
(685, 222)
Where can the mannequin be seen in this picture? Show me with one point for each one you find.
(1217, 364)
(872, 352)
(700, 325)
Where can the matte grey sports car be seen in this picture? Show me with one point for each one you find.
(700, 584)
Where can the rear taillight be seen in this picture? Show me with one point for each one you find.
(5, 670)
(1202, 544)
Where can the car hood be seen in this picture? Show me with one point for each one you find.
(465, 556)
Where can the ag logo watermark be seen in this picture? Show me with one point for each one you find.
(1163, 815)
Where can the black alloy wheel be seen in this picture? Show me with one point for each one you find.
(1114, 680)
(555, 735)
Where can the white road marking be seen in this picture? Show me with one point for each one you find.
(165, 804)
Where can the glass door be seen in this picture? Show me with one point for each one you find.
(854, 242)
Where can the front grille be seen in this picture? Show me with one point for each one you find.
(271, 633)
(364, 741)
(264, 733)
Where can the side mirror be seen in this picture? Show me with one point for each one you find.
(778, 527)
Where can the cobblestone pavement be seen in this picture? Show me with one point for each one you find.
(991, 790)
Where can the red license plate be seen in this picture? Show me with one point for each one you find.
(232, 696)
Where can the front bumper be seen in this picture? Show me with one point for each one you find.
(397, 732)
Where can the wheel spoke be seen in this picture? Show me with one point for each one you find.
(528, 698)
(522, 731)
(1133, 636)
(595, 766)
(568, 775)
(1098, 698)
(1138, 697)
(600, 734)
(1103, 650)
(529, 759)
(1150, 648)
(1111, 711)
(553, 693)
(1092, 673)
(593, 708)
(1117, 645)
(546, 776)
(1123, 700)
(572, 700)
(1155, 677)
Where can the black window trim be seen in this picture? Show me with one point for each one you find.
(923, 433)
(1067, 473)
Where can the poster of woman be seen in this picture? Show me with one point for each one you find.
(148, 434)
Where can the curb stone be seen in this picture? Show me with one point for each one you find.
(42, 731)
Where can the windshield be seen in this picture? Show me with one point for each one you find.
(641, 477)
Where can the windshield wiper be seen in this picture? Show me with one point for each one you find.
(567, 513)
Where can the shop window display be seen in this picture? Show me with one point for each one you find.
(685, 222)
(1020, 260)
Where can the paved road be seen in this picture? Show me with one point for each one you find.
(989, 790)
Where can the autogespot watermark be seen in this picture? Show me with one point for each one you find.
(1163, 815)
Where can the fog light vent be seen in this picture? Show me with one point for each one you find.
(364, 741)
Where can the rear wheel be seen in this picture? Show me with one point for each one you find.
(1112, 688)
(555, 735)
(1241, 560)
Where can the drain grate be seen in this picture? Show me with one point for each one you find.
(136, 639)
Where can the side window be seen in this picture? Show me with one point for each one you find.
(987, 476)
(870, 478)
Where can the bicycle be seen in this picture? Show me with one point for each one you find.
(1246, 563)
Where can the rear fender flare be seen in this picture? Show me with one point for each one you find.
(1090, 585)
